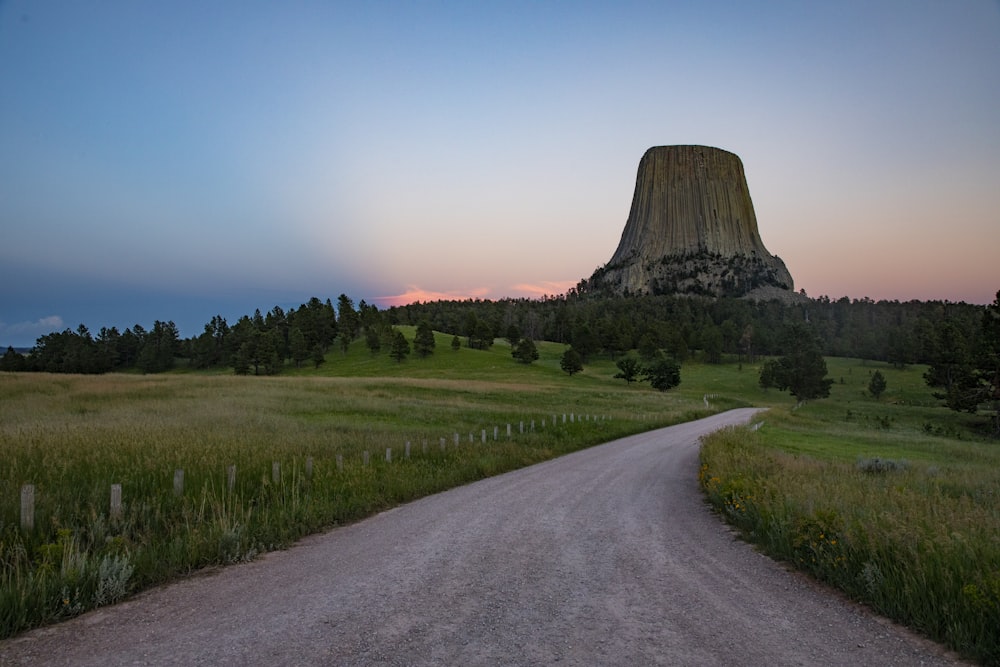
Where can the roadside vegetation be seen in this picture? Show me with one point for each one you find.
(884, 495)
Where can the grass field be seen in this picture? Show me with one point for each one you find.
(894, 502)
(298, 444)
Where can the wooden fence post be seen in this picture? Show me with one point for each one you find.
(275, 472)
(484, 436)
(116, 502)
(496, 432)
(231, 478)
(456, 439)
(365, 457)
(28, 507)
(340, 461)
(508, 430)
(388, 454)
(407, 452)
(442, 444)
(179, 482)
(522, 427)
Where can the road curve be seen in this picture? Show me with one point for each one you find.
(608, 556)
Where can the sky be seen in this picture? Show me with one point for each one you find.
(179, 160)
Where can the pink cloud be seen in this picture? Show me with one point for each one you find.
(545, 287)
(414, 293)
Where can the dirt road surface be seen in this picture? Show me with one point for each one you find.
(608, 556)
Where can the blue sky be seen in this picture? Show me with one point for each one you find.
(179, 160)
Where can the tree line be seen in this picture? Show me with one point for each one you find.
(954, 339)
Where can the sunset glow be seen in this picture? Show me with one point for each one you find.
(176, 161)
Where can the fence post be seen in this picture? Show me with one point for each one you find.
(179, 482)
(522, 427)
(275, 472)
(484, 436)
(508, 430)
(407, 453)
(442, 444)
(116, 502)
(365, 457)
(309, 467)
(340, 462)
(532, 425)
(231, 478)
(456, 439)
(28, 507)
(496, 431)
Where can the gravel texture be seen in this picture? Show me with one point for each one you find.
(608, 556)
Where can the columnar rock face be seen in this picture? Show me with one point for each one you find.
(692, 230)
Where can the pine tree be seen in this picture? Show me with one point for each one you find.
(400, 348)
(525, 351)
(423, 342)
(877, 385)
(571, 362)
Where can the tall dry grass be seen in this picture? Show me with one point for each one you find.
(917, 541)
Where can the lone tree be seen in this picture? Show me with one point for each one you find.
(525, 351)
(628, 369)
(423, 342)
(662, 374)
(571, 362)
(876, 386)
(400, 348)
(802, 372)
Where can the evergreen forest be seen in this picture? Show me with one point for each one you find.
(958, 341)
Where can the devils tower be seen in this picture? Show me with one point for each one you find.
(692, 230)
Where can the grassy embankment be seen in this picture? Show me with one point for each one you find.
(72, 437)
(895, 502)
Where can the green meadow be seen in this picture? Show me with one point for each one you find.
(906, 489)
(895, 502)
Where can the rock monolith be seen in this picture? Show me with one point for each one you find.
(692, 230)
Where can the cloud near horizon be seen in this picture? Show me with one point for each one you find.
(40, 326)
(545, 287)
(414, 293)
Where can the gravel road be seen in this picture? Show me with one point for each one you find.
(608, 556)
